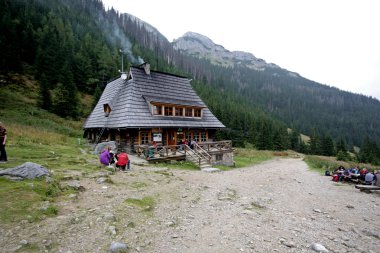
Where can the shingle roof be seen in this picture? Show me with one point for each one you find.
(129, 101)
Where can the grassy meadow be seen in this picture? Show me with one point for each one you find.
(35, 135)
(323, 163)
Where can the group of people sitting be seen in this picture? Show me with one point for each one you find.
(120, 160)
(356, 175)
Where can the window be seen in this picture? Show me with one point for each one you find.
(188, 112)
(179, 111)
(188, 136)
(203, 136)
(144, 137)
(157, 110)
(197, 112)
(107, 109)
(219, 157)
(176, 110)
(168, 111)
(196, 136)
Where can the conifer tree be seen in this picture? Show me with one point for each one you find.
(66, 102)
(313, 143)
(326, 145)
(369, 152)
(295, 140)
(97, 95)
(341, 145)
(45, 101)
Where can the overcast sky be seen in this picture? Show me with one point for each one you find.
(333, 42)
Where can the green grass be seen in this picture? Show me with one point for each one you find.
(249, 157)
(23, 200)
(145, 204)
(35, 135)
(30, 247)
(138, 185)
(180, 165)
(323, 163)
(319, 164)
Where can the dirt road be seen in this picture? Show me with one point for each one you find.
(277, 206)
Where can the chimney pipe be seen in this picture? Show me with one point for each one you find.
(147, 68)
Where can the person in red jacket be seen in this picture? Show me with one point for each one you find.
(123, 161)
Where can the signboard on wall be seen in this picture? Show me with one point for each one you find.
(157, 137)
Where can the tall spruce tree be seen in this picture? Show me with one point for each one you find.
(45, 100)
(326, 145)
(314, 143)
(66, 102)
(369, 152)
(295, 140)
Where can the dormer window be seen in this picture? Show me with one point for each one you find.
(197, 112)
(188, 112)
(107, 110)
(179, 111)
(170, 110)
(157, 109)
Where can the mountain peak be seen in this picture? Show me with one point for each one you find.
(203, 47)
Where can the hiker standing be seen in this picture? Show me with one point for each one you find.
(3, 140)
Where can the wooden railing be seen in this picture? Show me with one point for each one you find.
(216, 146)
(197, 154)
(199, 150)
(150, 151)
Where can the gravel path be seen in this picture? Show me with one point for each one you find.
(277, 206)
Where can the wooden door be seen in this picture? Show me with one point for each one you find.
(171, 137)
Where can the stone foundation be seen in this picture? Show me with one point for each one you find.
(222, 158)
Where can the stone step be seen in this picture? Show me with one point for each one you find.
(210, 170)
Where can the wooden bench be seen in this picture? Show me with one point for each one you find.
(367, 188)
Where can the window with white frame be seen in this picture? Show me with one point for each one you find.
(144, 137)
(203, 136)
(176, 110)
(196, 136)
(157, 110)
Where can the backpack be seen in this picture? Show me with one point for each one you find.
(122, 159)
(327, 173)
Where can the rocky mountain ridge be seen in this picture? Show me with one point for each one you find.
(200, 46)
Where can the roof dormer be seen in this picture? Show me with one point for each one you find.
(107, 110)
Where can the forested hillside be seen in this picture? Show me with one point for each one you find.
(72, 47)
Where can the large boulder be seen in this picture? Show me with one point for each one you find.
(27, 170)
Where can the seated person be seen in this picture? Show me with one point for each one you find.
(345, 175)
(369, 177)
(362, 173)
(112, 157)
(123, 161)
(377, 178)
(104, 157)
(339, 170)
(355, 170)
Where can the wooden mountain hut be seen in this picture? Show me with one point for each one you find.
(156, 115)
